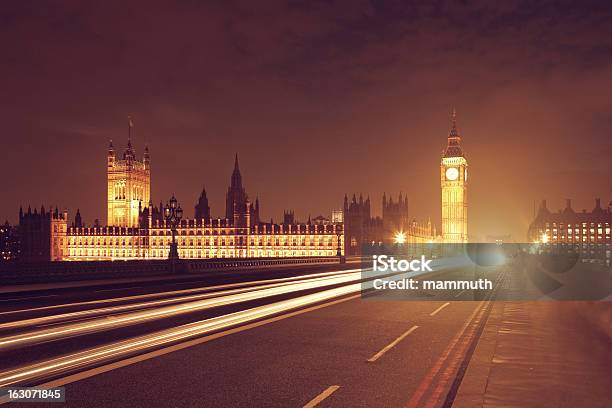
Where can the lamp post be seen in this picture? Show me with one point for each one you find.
(339, 238)
(173, 214)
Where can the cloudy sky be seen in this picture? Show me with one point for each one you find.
(318, 98)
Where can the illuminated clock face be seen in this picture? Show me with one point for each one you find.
(452, 173)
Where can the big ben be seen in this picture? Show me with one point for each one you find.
(453, 181)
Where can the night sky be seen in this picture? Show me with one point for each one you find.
(318, 98)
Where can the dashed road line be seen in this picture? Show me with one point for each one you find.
(317, 400)
(435, 312)
(391, 345)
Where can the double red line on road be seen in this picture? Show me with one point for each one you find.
(451, 359)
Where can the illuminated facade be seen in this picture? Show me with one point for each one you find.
(145, 234)
(588, 231)
(9, 243)
(453, 181)
(217, 239)
(129, 185)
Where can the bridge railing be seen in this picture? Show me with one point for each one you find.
(16, 273)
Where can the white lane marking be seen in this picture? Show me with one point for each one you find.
(317, 400)
(391, 345)
(435, 312)
(460, 293)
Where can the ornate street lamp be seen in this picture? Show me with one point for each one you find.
(339, 236)
(173, 214)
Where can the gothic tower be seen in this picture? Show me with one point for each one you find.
(395, 214)
(129, 184)
(453, 180)
(236, 195)
(202, 209)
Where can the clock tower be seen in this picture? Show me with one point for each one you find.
(453, 181)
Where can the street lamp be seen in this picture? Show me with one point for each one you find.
(339, 237)
(399, 238)
(173, 214)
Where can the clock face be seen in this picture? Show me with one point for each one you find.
(452, 173)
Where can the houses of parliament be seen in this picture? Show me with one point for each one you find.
(136, 229)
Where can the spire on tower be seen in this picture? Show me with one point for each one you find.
(111, 149)
(202, 209)
(453, 132)
(130, 127)
(236, 177)
(453, 148)
(78, 221)
(129, 152)
(146, 158)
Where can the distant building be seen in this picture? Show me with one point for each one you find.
(288, 217)
(396, 225)
(337, 216)
(588, 231)
(42, 234)
(361, 228)
(240, 234)
(9, 243)
(320, 220)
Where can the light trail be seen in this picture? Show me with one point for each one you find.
(113, 322)
(46, 320)
(175, 292)
(121, 349)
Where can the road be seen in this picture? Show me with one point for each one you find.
(305, 340)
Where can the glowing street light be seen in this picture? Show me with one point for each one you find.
(400, 238)
(544, 238)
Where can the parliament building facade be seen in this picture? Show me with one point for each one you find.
(138, 230)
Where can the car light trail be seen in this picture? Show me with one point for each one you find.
(144, 305)
(113, 322)
(117, 350)
(178, 292)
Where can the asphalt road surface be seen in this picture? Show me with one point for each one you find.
(305, 339)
